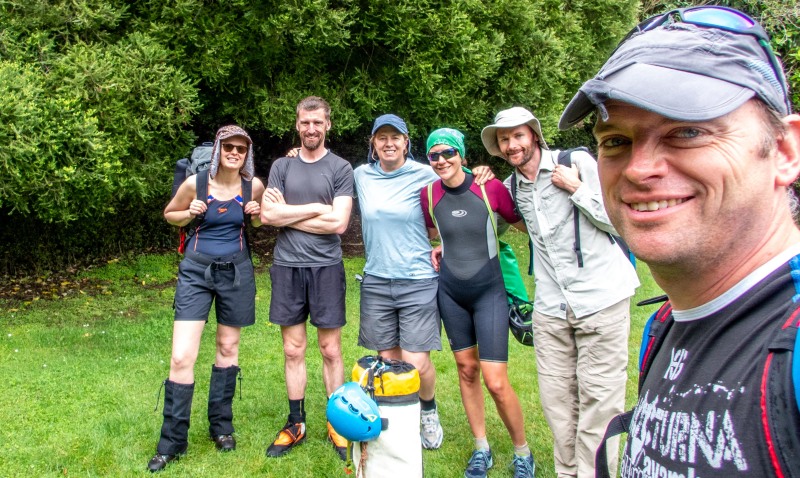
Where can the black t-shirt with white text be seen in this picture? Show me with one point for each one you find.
(699, 412)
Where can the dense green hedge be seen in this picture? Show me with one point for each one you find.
(98, 98)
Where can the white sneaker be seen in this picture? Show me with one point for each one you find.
(432, 433)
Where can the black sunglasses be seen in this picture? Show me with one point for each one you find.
(722, 18)
(228, 147)
(446, 154)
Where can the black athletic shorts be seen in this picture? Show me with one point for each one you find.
(300, 292)
(475, 311)
(227, 281)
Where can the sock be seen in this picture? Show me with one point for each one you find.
(522, 450)
(297, 410)
(428, 405)
(482, 443)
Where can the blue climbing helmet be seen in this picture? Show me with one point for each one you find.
(353, 414)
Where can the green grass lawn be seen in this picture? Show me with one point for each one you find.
(82, 376)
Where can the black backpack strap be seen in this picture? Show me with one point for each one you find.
(514, 192)
(202, 195)
(618, 425)
(247, 196)
(653, 335)
(564, 159)
(202, 188)
(780, 403)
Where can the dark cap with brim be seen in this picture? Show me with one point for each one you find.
(683, 72)
(390, 120)
(395, 122)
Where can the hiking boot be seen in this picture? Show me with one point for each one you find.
(431, 431)
(290, 436)
(479, 464)
(224, 442)
(339, 442)
(221, 390)
(524, 467)
(173, 441)
(159, 462)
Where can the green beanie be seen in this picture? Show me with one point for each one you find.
(450, 137)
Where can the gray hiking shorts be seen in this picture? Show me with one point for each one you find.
(399, 312)
(228, 282)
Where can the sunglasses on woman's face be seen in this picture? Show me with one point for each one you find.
(228, 147)
(446, 154)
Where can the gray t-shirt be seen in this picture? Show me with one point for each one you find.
(305, 183)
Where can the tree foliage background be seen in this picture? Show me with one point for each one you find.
(98, 98)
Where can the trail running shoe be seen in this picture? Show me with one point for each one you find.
(292, 435)
(339, 442)
(431, 431)
(524, 467)
(479, 464)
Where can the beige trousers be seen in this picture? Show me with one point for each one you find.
(582, 374)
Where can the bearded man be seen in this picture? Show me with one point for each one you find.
(309, 197)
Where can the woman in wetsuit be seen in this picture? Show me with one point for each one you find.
(472, 298)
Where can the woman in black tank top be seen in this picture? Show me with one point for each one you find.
(216, 268)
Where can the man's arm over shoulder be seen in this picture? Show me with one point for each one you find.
(588, 197)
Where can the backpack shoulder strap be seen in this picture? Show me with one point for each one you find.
(780, 388)
(781, 380)
(202, 191)
(491, 216)
(430, 203)
(247, 191)
(247, 196)
(796, 369)
(202, 186)
(186, 232)
(514, 192)
(565, 159)
(618, 425)
(653, 336)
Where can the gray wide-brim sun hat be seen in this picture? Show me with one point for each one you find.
(510, 118)
(683, 72)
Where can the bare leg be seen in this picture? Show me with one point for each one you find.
(427, 373)
(469, 381)
(185, 346)
(227, 346)
(330, 346)
(294, 355)
(495, 375)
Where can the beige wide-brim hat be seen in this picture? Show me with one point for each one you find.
(510, 118)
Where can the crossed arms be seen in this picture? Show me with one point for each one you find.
(314, 218)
